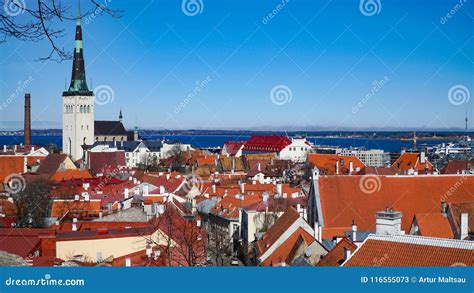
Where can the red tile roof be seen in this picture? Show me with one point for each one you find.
(102, 161)
(60, 207)
(457, 166)
(280, 226)
(12, 164)
(232, 147)
(70, 175)
(409, 161)
(347, 198)
(272, 143)
(408, 250)
(52, 163)
(326, 163)
(20, 241)
(283, 253)
(458, 208)
(433, 225)
(336, 256)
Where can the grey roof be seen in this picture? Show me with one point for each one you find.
(133, 214)
(129, 146)
(360, 235)
(109, 128)
(205, 206)
(329, 244)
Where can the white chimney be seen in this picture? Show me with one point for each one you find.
(258, 167)
(76, 197)
(213, 188)
(422, 157)
(351, 167)
(128, 262)
(198, 222)
(337, 167)
(242, 187)
(125, 193)
(145, 189)
(135, 180)
(388, 222)
(149, 250)
(279, 187)
(4, 147)
(464, 225)
(74, 224)
(354, 231)
(162, 189)
(347, 253)
(168, 176)
(101, 214)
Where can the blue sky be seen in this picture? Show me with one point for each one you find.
(327, 53)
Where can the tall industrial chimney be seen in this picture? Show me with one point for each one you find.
(27, 130)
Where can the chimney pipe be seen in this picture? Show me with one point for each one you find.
(27, 129)
(464, 225)
(354, 232)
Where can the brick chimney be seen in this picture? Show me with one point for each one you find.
(27, 130)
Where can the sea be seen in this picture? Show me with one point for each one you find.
(208, 141)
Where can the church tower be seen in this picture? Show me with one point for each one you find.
(78, 104)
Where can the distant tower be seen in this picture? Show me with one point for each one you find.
(135, 132)
(27, 129)
(120, 115)
(78, 104)
(414, 141)
(466, 128)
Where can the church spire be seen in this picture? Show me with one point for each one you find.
(78, 77)
(120, 115)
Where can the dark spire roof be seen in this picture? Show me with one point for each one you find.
(78, 83)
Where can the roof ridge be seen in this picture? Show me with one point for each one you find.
(424, 240)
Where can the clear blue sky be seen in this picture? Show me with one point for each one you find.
(327, 53)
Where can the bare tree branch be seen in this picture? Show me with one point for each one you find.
(19, 20)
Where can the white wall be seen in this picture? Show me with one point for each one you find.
(78, 128)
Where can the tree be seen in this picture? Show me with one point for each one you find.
(39, 21)
(33, 204)
(176, 157)
(219, 244)
(182, 240)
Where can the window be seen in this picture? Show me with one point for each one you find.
(82, 109)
